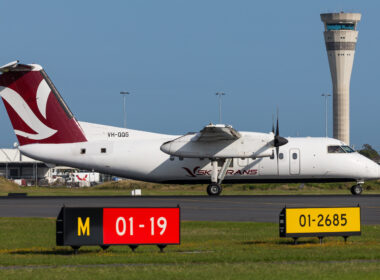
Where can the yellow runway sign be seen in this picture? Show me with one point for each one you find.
(341, 221)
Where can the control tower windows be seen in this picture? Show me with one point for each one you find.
(337, 26)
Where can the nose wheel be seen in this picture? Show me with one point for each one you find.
(356, 189)
(214, 189)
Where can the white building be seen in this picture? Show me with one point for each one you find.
(14, 165)
(27, 171)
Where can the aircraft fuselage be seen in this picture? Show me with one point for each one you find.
(136, 155)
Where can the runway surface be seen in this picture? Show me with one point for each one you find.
(197, 208)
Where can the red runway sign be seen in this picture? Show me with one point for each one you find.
(78, 226)
(141, 226)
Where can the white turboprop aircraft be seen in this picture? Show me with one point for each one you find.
(47, 131)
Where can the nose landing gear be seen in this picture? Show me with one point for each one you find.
(356, 189)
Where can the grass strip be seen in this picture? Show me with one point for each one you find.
(223, 250)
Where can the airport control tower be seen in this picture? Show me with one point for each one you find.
(340, 37)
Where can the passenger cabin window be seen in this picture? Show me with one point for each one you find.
(103, 150)
(335, 150)
(82, 151)
(294, 155)
(281, 156)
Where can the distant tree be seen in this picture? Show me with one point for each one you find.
(369, 152)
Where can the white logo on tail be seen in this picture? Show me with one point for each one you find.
(43, 93)
(26, 114)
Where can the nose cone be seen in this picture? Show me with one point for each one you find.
(376, 171)
(366, 169)
(373, 170)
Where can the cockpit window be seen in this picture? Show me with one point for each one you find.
(348, 149)
(339, 149)
(335, 149)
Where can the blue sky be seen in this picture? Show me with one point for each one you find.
(174, 55)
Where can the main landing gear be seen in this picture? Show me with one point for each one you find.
(356, 189)
(215, 188)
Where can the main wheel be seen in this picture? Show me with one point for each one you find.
(214, 189)
(356, 189)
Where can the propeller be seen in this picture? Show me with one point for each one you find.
(278, 140)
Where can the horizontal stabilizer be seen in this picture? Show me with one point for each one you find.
(15, 66)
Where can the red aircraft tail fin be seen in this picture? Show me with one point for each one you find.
(35, 107)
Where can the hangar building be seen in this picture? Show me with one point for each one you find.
(14, 165)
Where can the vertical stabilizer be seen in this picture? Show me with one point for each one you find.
(35, 107)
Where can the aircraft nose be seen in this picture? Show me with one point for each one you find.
(372, 170)
(376, 172)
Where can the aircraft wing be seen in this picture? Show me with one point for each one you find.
(219, 141)
(213, 133)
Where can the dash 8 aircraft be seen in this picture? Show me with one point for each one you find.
(47, 131)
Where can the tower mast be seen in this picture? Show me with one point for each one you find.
(340, 38)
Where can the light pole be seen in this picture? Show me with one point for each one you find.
(326, 95)
(124, 93)
(220, 94)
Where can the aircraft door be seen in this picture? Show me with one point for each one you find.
(294, 161)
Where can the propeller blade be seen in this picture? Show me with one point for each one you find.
(278, 140)
(277, 153)
(273, 124)
(278, 127)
